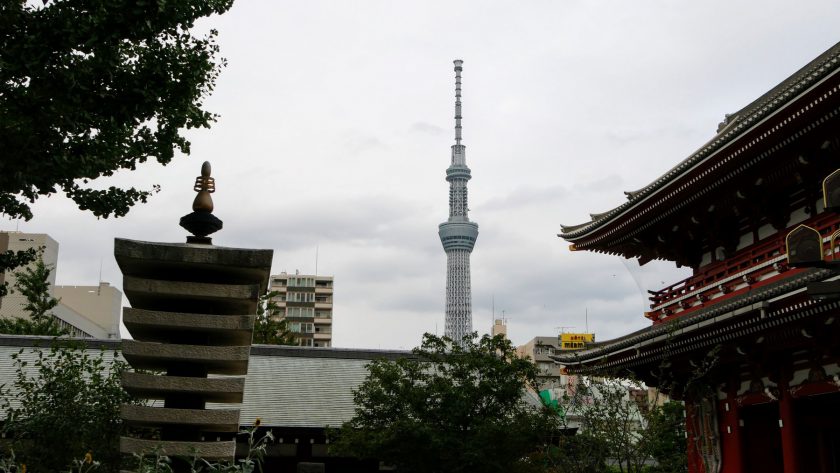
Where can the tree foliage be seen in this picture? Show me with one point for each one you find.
(11, 259)
(449, 408)
(669, 446)
(67, 403)
(622, 429)
(268, 329)
(89, 87)
(33, 283)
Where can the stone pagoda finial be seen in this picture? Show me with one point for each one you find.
(204, 185)
(201, 222)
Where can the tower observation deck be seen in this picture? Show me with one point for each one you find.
(458, 234)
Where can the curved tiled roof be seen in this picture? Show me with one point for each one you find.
(672, 329)
(734, 125)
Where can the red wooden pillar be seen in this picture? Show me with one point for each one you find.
(695, 459)
(730, 434)
(787, 426)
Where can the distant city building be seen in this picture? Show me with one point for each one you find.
(499, 328)
(539, 350)
(306, 304)
(12, 304)
(458, 234)
(84, 311)
(94, 309)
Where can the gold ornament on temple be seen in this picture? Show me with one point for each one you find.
(204, 185)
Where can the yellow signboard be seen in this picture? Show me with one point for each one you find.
(575, 341)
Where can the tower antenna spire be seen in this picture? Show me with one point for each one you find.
(458, 68)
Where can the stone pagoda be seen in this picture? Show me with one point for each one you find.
(191, 319)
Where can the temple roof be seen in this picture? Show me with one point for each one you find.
(734, 126)
(596, 354)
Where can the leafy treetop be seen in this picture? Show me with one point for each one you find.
(34, 284)
(89, 87)
(449, 408)
(268, 329)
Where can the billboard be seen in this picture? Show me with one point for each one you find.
(575, 341)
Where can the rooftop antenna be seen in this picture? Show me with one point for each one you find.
(586, 314)
(316, 260)
(493, 305)
(99, 286)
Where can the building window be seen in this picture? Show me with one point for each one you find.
(300, 312)
(301, 297)
(305, 342)
(301, 327)
(301, 282)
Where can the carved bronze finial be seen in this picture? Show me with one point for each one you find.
(201, 222)
(204, 185)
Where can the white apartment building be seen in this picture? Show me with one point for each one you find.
(306, 303)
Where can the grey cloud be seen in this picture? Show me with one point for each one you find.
(428, 128)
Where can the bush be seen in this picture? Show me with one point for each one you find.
(67, 406)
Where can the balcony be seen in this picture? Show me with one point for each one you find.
(753, 266)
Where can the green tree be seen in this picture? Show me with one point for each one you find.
(448, 408)
(63, 404)
(90, 87)
(268, 329)
(620, 425)
(33, 283)
(668, 443)
(11, 259)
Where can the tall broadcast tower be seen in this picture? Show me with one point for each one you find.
(458, 234)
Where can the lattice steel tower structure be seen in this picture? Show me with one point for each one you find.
(458, 234)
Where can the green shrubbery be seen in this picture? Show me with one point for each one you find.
(66, 404)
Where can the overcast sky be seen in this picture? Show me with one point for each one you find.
(336, 120)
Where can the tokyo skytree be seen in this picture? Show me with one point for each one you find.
(458, 234)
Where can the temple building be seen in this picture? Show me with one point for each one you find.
(458, 234)
(750, 341)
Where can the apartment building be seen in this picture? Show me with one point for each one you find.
(540, 350)
(306, 303)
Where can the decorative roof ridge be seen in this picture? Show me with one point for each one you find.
(607, 346)
(571, 228)
(759, 108)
